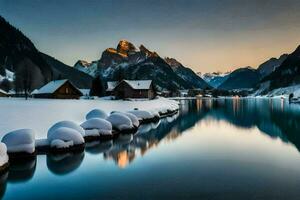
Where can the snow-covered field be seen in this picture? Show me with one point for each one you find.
(41, 114)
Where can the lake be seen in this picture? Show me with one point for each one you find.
(213, 149)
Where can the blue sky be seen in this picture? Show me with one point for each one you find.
(204, 35)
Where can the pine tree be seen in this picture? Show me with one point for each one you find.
(98, 87)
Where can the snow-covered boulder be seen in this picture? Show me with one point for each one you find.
(120, 122)
(3, 156)
(97, 127)
(20, 141)
(96, 113)
(64, 137)
(132, 117)
(144, 115)
(66, 124)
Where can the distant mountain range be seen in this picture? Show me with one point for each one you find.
(247, 77)
(21, 63)
(214, 79)
(128, 62)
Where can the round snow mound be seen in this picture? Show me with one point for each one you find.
(20, 141)
(65, 137)
(66, 124)
(101, 125)
(132, 117)
(96, 113)
(142, 114)
(120, 121)
(3, 154)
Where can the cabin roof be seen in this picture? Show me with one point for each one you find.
(51, 87)
(3, 92)
(135, 84)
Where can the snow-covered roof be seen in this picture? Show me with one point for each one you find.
(3, 92)
(139, 84)
(50, 87)
(85, 92)
(111, 85)
(135, 84)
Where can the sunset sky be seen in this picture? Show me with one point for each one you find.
(206, 35)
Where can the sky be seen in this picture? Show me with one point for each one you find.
(205, 35)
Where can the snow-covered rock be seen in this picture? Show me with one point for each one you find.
(97, 127)
(20, 141)
(142, 114)
(120, 121)
(65, 137)
(3, 155)
(96, 113)
(132, 117)
(59, 144)
(66, 124)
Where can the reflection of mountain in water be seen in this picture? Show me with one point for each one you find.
(276, 118)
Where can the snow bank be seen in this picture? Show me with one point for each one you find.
(120, 121)
(20, 113)
(96, 127)
(65, 137)
(3, 154)
(96, 113)
(20, 141)
(66, 124)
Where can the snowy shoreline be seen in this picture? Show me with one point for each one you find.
(41, 114)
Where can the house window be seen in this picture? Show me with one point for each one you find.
(67, 90)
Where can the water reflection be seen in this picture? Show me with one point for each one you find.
(61, 164)
(21, 171)
(275, 118)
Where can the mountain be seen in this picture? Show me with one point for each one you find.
(21, 62)
(270, 65)
(186, 73)
(128, 62)
(242, 78)
(86, 67)
(63, 71)
(214, 79)
(287, 74)
(19, 55)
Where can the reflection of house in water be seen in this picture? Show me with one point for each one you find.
(150, 135)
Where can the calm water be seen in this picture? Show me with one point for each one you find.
(215, 149)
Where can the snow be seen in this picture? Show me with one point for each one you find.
(40, 114)
(96, 113)
(67, 124)
(135, 84)
(132, 117)
(96, 126)
(57, 143)
(8, 75)
(85, 92)
(120, 121)
(51, 87)
(139, 84)
(111, 85)
(279, 92)
(142, 114)
(22, 140)
(41, 143)
(2, 91)
(3, 154)
(67, 135)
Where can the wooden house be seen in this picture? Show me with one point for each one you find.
(58, 89)
(132, 89)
